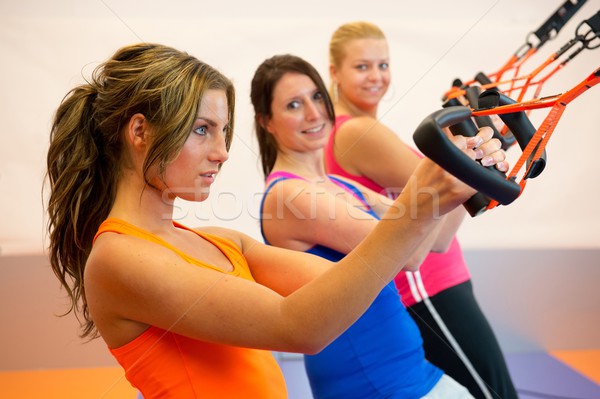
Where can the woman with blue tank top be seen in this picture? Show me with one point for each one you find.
(381, 354)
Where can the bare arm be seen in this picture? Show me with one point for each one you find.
(298, 215)
(366, 147)
(448, 229)
(438, 240)
(371, 265)
(132, 283)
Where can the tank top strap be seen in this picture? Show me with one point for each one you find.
(271, 181)
(356, 193)
(227, 247)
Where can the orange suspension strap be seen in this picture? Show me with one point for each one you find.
(547, 31)
(584, 39)
(494, 187)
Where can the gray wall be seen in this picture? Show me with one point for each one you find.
(535, 299)
(540, 299)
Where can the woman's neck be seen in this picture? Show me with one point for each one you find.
(344, 107)
(141, 204)
(307, 165)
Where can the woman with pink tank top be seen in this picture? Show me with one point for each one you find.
(456, 334)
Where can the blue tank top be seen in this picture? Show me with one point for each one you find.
(381, 355)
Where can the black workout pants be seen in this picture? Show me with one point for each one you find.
(458, 308)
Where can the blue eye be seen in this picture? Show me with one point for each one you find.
(384, 66)
(201, 130)
(361, 67)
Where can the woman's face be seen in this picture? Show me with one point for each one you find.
(364, 76)
(191, 174)
(299, 120)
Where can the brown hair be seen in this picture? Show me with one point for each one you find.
(86, 151)
(265, 79)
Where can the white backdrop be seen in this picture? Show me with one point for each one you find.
(48, 47)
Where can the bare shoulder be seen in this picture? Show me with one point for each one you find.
(116, 256)
(108, 248)
(373, 198)
(364, 127)
(229, 234)
(132, 283)
(122, 273)
(289, 191)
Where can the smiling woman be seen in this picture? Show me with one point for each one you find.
(365, 150)
(49, 47)
(381, 354)
(190, 312)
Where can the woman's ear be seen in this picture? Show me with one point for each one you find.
(263, 121)
(137, 130)
(332, 74)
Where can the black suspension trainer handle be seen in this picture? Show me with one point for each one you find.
(519, 124)
(472, 95)
(479, 202)
(431, 140)
(483, 79)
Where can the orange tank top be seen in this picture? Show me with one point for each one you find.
(162, 364)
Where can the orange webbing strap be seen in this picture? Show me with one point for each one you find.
(458, 91)
(542, 135)
(509, 64)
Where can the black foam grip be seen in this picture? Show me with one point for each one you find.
(483, 79)
(518, 123)
(431, 140)
(478, 203)
(472, 94)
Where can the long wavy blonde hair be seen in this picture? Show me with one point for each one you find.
(86, 151)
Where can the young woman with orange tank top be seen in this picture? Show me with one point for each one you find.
(457, 336)
(194, 313)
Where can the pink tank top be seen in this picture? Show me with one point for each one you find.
(334, 168)
(438, 271)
